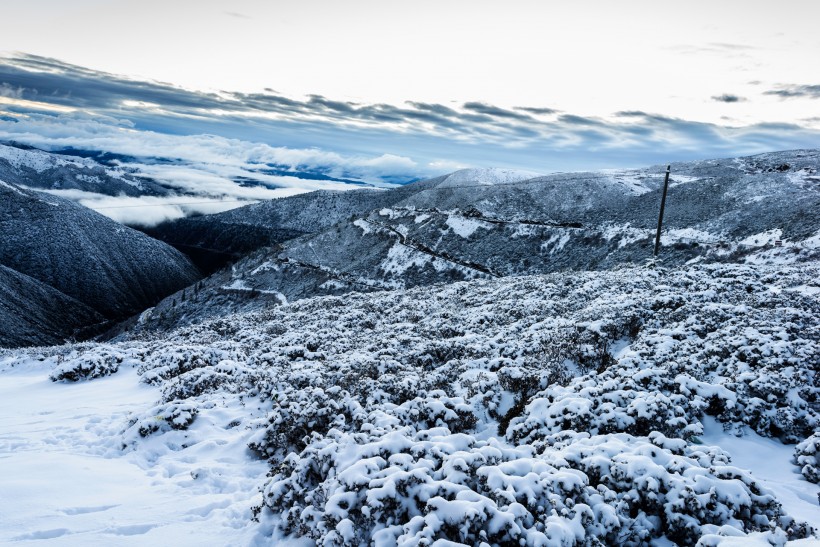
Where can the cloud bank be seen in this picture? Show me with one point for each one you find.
(47, 103)
(794, 91)
(148, 210)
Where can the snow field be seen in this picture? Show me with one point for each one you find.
(66, 479)
(566, 409)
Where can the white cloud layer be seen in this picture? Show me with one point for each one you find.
(242, 144)
(151, 210)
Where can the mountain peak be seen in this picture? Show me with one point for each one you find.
(486, 176)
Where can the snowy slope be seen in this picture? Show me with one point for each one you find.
(66, 482)
(425, 233)
(485, 177)
(558, 409)
(34, 314)
(270, 222)
(110, 268)
(43, 170)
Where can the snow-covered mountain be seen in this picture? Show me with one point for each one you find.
(482, 224)
(43, 170)
(275, 221)
(575, 408)
(485, 177)
(113, 270)
(608, 401)
(237, 232)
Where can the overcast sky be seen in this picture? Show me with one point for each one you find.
(425, 86)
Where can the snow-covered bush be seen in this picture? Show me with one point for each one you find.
(177, 415)
(807, 457)
(167, 361)
(396, 485)
(87, 365)
(558, 409)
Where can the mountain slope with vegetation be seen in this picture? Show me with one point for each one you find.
(560, 409)
(475, 224)
(35, 314)
(111, 269)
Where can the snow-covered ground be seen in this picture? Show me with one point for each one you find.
(771, 463)
(66, 480)
(547, 410)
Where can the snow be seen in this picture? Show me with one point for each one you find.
(808, 290)
(66, 480)
(812, 242)
(771, 463)
(486, 177)
(238, 285)
(557, 241)
(463, 226)
(626, 234)
(38, 160)
(363, 224)
(764, 238)
(401, 258)
(688, 235)
(632, 181)
(10, 187)
(678, 180)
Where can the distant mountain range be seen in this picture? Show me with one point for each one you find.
(38, 169)
(114, 174)
(75, 270)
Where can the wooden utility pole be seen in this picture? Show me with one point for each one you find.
(660, 216)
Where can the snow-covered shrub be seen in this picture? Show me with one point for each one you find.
(559, 409)
(226, 375)
(87, 365)
(614, 401)
(396, 485)
(807, 457)
(297, 415)
(168, 361)
(177, 415)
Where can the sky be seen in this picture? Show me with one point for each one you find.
(386, 91)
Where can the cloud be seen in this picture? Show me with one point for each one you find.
(728, 98)
(537, 110)
(572, 119)
(495, 111)
(42, 79)
(794, 91)
(10, 92)
(723, 49)
(215, 142)
(203, 163)
(147, 210)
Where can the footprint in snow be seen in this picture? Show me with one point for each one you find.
(84, 510)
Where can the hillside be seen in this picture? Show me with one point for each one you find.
(43, 170)
(35, 314)
(574, 408)
(112, 269)
(476, 224)
(214, 240)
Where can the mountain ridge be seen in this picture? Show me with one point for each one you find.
(432, 232)
(107, 267)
